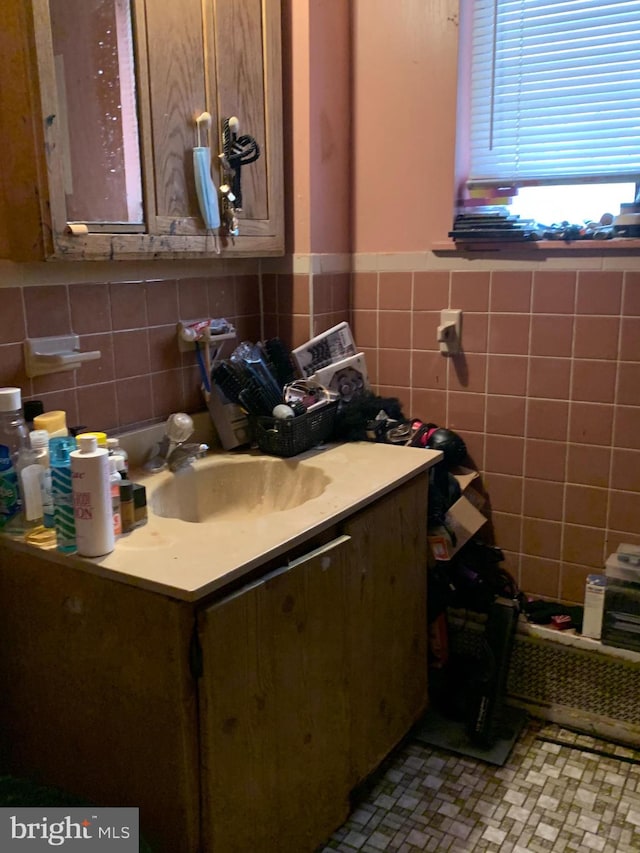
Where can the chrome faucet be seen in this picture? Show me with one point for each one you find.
(183, 455)
(173, 452)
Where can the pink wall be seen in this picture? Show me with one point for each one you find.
(318, 157)
(330, 126)
(547, 390)
(296, 85)
(404, 91)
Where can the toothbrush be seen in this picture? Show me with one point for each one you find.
(203, 371)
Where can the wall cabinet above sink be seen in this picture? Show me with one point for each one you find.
(99, 126)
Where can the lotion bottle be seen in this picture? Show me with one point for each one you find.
(90, 482)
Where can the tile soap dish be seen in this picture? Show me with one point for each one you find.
(55, 355)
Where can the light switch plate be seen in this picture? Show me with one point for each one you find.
(450, 331)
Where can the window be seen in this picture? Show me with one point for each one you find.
(550, 97)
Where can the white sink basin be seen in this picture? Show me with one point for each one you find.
(233, 489)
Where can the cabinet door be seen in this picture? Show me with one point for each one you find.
(97, 697)
(220, 56)
(388, 622)
(275, 710)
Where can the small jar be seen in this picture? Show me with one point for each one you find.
(127, 510)
(139, 505)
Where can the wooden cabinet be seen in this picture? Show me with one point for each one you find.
(324, 667)
(219, 56)
(276, 740)
(235, 725)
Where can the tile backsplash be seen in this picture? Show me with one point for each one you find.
(546, 394)
(141, 376)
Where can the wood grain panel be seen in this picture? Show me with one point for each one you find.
(175, 49)
(240, 68)
(97, 697)
(275, 696)
(387, 605)
(25, 221)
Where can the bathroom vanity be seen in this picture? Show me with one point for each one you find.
(235, 675)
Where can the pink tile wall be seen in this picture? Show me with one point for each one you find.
(141, 375)
(299, 306)
(546, 395)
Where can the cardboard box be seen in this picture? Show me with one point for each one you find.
(594, 606)
(463, 518)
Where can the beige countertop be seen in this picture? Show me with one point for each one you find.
(256, 508)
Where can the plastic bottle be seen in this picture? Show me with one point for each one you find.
(92, 498)
(13, 437)
(31, 481)
(115, 479)
(59, 457)
(100, 437)
(114, 448)
(39, 439)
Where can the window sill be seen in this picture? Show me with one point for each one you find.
(538, 247)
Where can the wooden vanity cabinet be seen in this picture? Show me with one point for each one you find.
(325, 667)
(220, 56)
(235, 725)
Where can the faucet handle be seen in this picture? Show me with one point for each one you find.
(179, 427)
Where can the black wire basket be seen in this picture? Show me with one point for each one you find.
(290, 436)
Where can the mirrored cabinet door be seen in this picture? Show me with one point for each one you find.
(95, 76)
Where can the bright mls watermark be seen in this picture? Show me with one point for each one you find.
(76, 830)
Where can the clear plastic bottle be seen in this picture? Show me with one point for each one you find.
(39, 439)
(14, 437)
(60, 448)
(115, 449)
(30, 481)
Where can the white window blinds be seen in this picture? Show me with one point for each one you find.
(554, 90)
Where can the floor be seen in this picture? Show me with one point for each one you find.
(557, 791)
